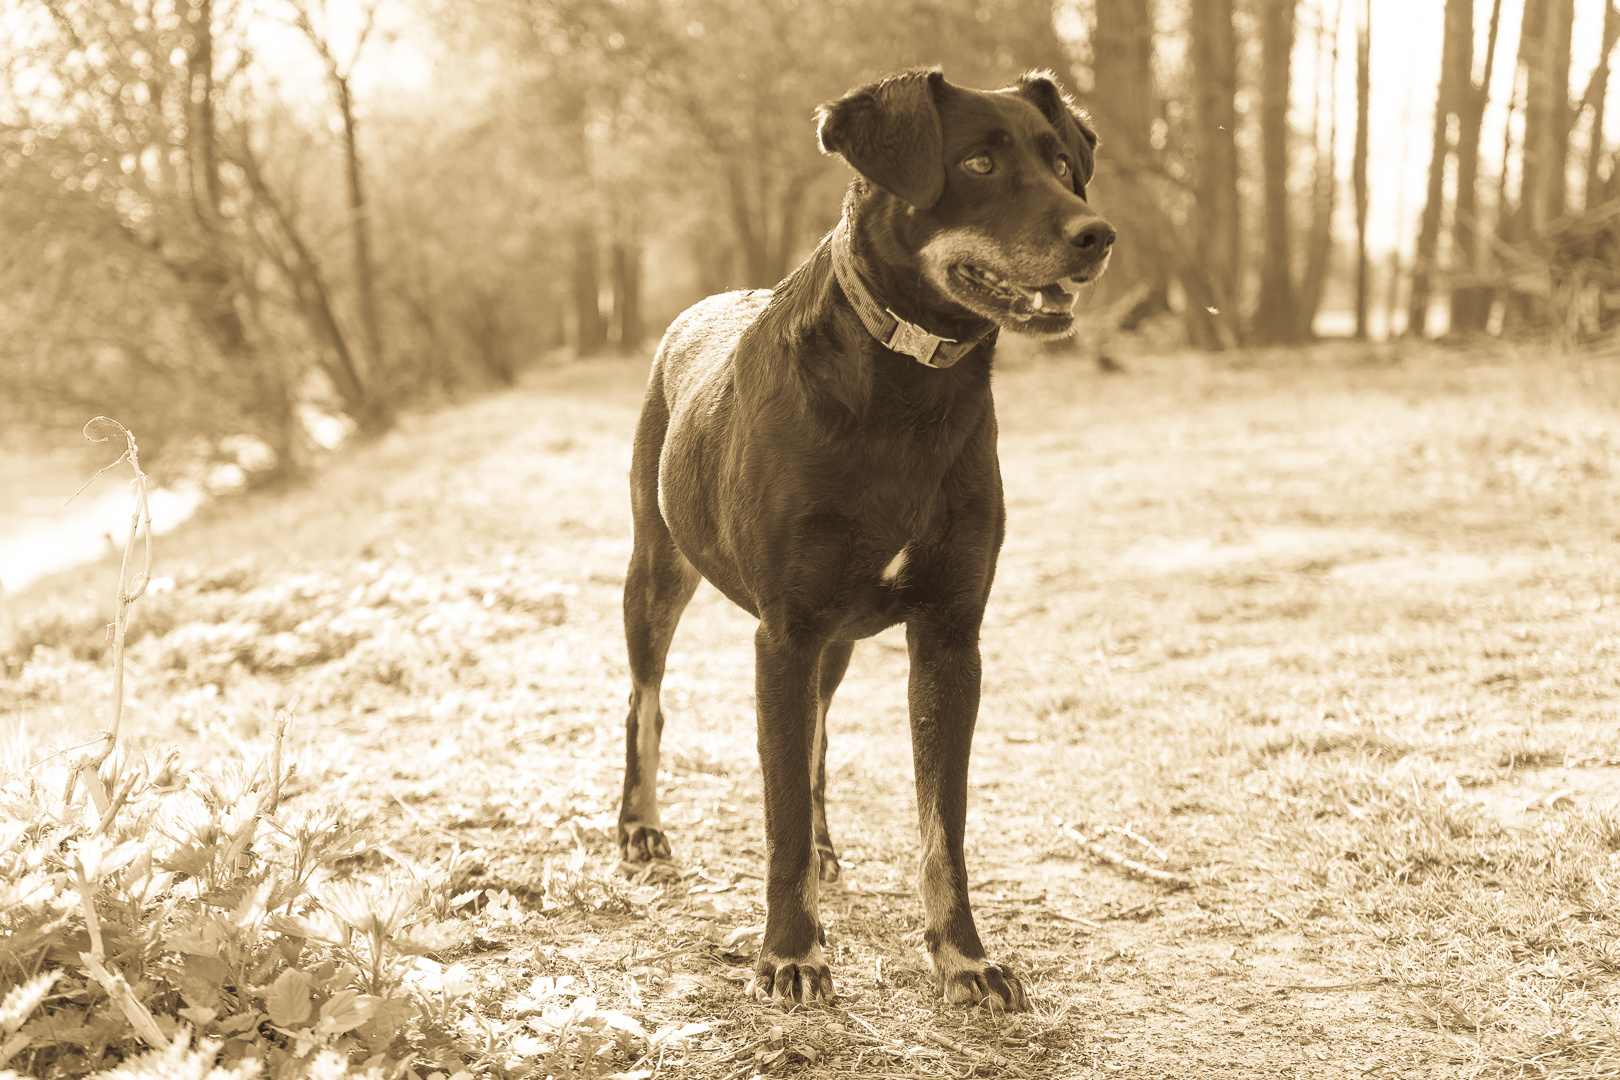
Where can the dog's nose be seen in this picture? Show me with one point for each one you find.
(1092, 235)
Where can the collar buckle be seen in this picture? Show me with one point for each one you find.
(914, 341)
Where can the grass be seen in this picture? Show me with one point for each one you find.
(1330, 633)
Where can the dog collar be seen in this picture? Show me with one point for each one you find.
(890, 330)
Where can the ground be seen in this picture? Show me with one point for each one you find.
(1331, 635)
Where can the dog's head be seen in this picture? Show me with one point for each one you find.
(991, 187)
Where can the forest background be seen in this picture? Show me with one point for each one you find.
(233, 219)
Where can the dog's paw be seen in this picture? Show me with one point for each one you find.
(979, 982)
(827, 859)
(785, 982)
(640, 842)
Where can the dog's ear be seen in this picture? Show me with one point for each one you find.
(889, 132)
(1071, 121)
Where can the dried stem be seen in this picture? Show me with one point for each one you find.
(1108, 855)
(138, 1015)
(273, 803)
(92, 922)
(101, 429)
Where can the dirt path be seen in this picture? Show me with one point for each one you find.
(1334, 642)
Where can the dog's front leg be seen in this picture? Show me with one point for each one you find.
(791, 967)
(944, 701)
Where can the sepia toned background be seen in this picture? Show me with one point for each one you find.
(223, 216)
(1299, 752)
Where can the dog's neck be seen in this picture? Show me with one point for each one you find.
(882, 322)
(890, 296)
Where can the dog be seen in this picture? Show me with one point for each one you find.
(824, 453)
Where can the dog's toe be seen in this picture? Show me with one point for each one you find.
(993, 986)
(787, 983)
(642, 843)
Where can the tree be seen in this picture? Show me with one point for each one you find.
(1358, 163)
(1544, 48)
(1124, 110)
(1597, 93)
(1325, 186)
(1275, 318)
(373, 412)
(1213, 54)
(134, 283)
(1471, 301)
(1456, 72)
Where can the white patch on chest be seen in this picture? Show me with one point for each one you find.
(896, 564)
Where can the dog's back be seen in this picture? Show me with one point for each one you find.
(702, 341)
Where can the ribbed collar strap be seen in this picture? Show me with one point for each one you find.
(890, 330)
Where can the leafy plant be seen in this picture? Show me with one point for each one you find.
(158, 920)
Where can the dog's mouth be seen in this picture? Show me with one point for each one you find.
(1036, 308)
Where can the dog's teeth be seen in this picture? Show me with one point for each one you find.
(1037, 300)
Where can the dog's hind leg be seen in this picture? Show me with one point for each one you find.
(657, 587)
(834, 662)
(656, 590)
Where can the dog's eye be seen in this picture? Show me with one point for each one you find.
(1063, 168)
(979, 164)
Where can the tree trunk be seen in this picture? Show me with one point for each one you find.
(1123, 46)
(380, 416)
(1219, 217)
(1456, 71)
(203, 140)
(209, 270)
(1597, 92)
(214, 281)
(295, 261)
(1508, 217)
(1324, 196)
(1274, 319)
(627, 294)
(1471, 302)
(590, 335)
(1545, 47)
(1392, 291)
(1124, 108)
(1358, 163)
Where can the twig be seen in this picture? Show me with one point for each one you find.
(101, 429)
(1125, 830)
(1108, 672)
(975, 1055)
(275, 764)
(267, 801)
(1108, 855)
(869, 1027)
(116, 802)
(1360, 984)
(733, 1055)
(92, 922)
(1056, 914)
(139, 1016)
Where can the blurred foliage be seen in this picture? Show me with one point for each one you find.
(221, 214)
(180, 224)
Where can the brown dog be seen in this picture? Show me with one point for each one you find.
(825, 454)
